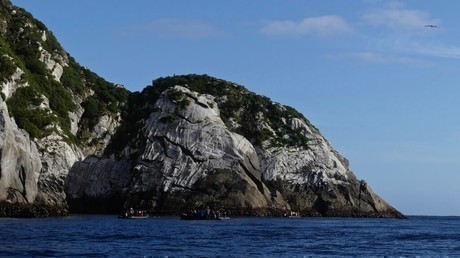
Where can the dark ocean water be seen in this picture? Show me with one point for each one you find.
(96, 236)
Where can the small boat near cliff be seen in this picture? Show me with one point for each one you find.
(135, 217)
(204, 214)
(292, 214)
(134, 214)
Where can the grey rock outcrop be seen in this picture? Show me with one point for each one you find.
(98, 178)
(190, 158)
(57, 157)
(96, 185)
(10, 86)
(19, 162)
(55, 64)
(75, 116)
(101, 134)
(187, 157)
(333, 189)
(189, 149)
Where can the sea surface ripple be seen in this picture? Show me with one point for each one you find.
(108, 236)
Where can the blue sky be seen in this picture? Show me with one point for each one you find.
(381, 86)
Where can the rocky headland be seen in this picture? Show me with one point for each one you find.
(72, 142)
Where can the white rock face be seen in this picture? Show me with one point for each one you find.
(57, 157)
(193, 146)
(334, 189)
(298, 124)
(44, 104)
(105, 126)
(75, 116)
(19, 162)
(10, 87)
(101, 133)
(54, 64)
(318, 165)
(43, 35)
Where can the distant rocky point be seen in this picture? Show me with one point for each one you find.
(72, 142)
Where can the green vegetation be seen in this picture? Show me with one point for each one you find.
(5, 6)
(7, 67)
(239, 105)
(21, 47)
(107, 98)
(31, 120)
(168, 119)
(7, 63)
(180, 99)
(21, 44)
(137, 109)
(244, 107)
(72, 79)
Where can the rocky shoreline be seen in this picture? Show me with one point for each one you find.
(40, 211)
(31, 210)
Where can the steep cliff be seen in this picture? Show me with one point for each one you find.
(53, 111)
(68, 138)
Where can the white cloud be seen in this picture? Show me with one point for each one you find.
(407, 35)
(435, 50)
(322, 26)
(174, 28)
(383, 58)
(416, 46)
(398, 18)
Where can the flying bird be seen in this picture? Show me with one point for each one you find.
(432, 26)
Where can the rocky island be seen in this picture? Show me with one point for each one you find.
(72, 142)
